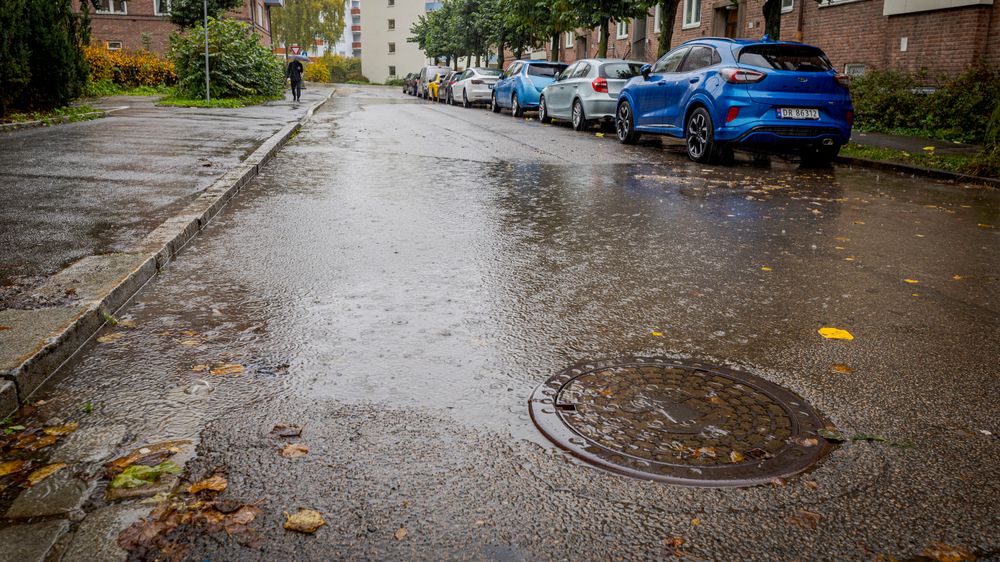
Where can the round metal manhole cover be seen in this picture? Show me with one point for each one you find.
(678, 422)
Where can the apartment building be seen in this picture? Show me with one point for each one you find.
(381, 31)
(938, 37)
(145, 24)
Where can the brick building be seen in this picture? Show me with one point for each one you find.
(145, 24)
(936, 36)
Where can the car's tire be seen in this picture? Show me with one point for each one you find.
(579, 119)
(465, 100)
(699, 137)
(820, 157)
(494, 106)
(515, 106)
(543, 112)
(625, 124)
(451, 99)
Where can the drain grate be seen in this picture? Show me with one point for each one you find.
(678, 422)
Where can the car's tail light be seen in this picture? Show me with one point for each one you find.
(850, 118)
(478, 82)
(599, 85)
(732, 114)
(843, 79)
(741, 75)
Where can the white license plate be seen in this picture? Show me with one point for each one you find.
(797, 113)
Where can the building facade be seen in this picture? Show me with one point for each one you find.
(936, 37)
(145, 24)
(381, 30)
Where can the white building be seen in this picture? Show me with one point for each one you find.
(380, 32)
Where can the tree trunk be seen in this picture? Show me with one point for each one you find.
(668, 15)
(772, 19)
(602, 46)
(500, 57)
(518, 52)
(555, 47)
(478, 60)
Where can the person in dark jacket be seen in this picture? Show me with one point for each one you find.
(294, 73)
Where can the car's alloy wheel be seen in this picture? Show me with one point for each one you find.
(579, 119)
(543, 113)
(465, 99)
(451, 99)
(515, 107)
(494, 106)
(625, 124)
(698, 135)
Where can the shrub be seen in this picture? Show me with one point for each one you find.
(240, 65)
(129, 69)
(342, 69)
(395, 82)
(317, 72)
(885, 99)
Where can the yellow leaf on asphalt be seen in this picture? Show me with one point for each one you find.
(228, 369)
(199, 368)
(841, 368)
(127, 323)
(400, 533)
(10, 467)
(213, 483)
(928, 148)
(188, 333)
(304, 521)
(62, 429)
(983, 225)
(765, 268)
(911, 281)
(849, 258)
(598, 134)
(835, 334)
(942, 552)
(294, 451)
(44, 472)
(657, 334)
(190, 342)
(110, 337)
(859, 222)
(839, 248)
(957, 277)
(696, 521)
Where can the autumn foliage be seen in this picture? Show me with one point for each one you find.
(129, 69)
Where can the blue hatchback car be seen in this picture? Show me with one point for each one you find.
(719, 94)
(521, 85)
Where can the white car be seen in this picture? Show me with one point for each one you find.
(475, 85)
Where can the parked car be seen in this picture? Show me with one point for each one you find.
(428, 74)
(444, 91)
(410, 83)
(587, 91)
(475, 85)
(718, 94)
(520, 86)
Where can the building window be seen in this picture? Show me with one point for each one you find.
(162, 7)
(392, 48)
(392, 25)
(392, 3)
(568, 42)
(356, 36)
(355, 20)
(115, 45)
(112, 6)
(657, 20)
(854, 69)
(692, 13)
(787, 6)
(260, 15)
(621, 29)
(355, 3)
(392, 72)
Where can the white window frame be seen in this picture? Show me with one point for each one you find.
(621, 29)
(111, 8)
(392, 47)
(391, 23)
(119, 45)
(692, 14)
(568, 40)
(657, 19)
(161, 3)
(787, 6)
(260, 15)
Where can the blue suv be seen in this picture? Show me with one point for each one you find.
(719, 94)
(520, 86)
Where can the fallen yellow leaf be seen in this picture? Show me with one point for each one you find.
(294, 451)
(229, 369)
(599, 134)
(400, 533)
(859, 222)
(10, 467)
(110, 337)
(849, 258)
(44, 472)
(765, 268)
(199, 368)
(696, 521)
(841, 368)
(61, 429)
(983, 225)
(213, 483)
(657, 334)
(190, 342)
(929, 148)
(957, 277)
(911, 281)
(127, 323)
(835, 334)
(304, 521)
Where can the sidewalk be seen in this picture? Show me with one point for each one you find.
(79, 204)
(913, 145)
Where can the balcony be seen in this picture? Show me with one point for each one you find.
(355, 11)
(356, 45)
(355, 28)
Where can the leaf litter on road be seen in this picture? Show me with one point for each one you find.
(941, 552)
(831, 333)
(287, 430)
(141, 475)
(304, 521)
(11, 467)
(64, 429)
(842, 369)
(44, 472)
(294, 450)
(400, 533)
(215, 483)
(805, 519)
(227, 370)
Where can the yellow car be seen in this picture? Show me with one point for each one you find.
(433, 86)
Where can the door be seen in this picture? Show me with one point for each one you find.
(576, 81)
(689, 80)
(555, 101)
(505, 86)
(653, 92)
(638, 39)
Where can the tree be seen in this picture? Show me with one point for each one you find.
(302, 21)
(189, 13)
(668, 15)
(600, 13)
(772, 19)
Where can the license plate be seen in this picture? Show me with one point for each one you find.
(797, 113)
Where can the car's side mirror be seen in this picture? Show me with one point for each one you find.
(645, 70)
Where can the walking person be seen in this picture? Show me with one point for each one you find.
(294, 73)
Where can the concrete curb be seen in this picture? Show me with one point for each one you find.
(129, 272)
(4, 127)
(916, 170)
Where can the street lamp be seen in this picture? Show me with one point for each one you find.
(208, 94)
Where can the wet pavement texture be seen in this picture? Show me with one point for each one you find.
(404, 274)
(99, 186)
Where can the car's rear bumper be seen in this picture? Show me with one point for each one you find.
(598, 108)
(786, 135)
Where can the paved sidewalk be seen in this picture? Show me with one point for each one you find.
(913, 145)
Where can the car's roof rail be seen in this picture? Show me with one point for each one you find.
(728, 39)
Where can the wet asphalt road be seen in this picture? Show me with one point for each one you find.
(404, 274)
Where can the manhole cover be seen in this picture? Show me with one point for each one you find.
(683, 423)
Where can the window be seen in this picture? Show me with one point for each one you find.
(548, 70)
(356, 36)
(162, 7)
(621, 29)
(392, 71)
(114, 45)
(568, 42)
(392, 25)
(854, 69)
(260, 15)
(700, 57)
(392, 3)
(692, 13)
(800, 58)
(355, 20)
(581, 71)
(670, 61)
(787, 6)
(112, 6)
(657, 20)
(392, 48)
(620, 70)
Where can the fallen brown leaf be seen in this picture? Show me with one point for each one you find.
(400, 533)
(44, 472)
(62, 429)
(10, 467)
(110, 338)
(841, 368)
(304, 521)
(810, 484)
(942, 552)
(34, 442)
(287, 430)
(294, 450)
(199, 368)
(229, 369)
(214, 483)
(805, 519)
(148, 454)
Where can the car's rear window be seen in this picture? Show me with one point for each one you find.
(801, 58)
(488, 71)
(620, 70)
(549, 70)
